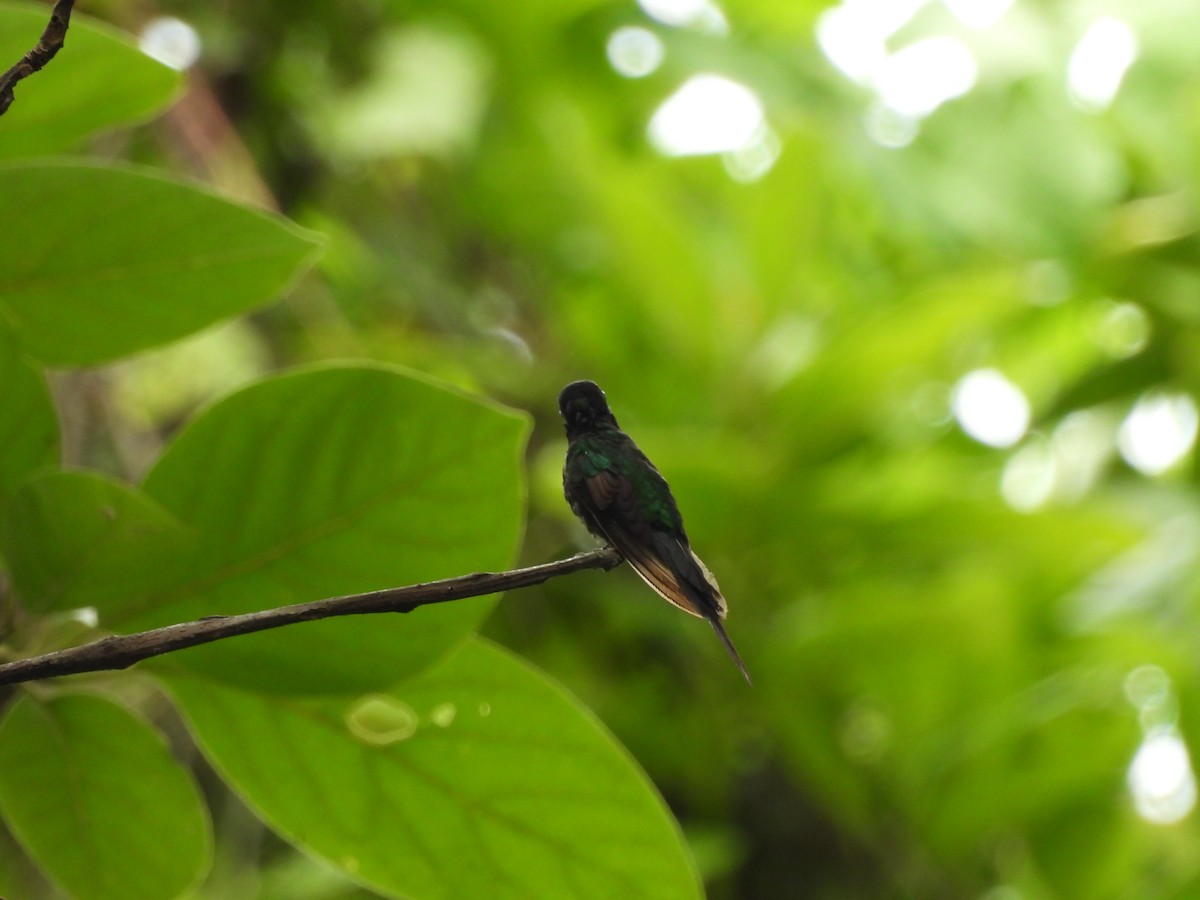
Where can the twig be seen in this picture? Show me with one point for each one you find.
(49, 44)
(120, 651)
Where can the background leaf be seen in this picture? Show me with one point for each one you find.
(98, 81)
(95, 797)
(138, 261)
(77, 539)
(19, 876)
(28, 422)
(479, 778)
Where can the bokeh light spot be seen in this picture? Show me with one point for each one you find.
(1030, 476)
(1158, 431)
(173, 42)
(853, 34)
(443, 714)
(990, 408)
(1161, 779)
(785, 350)
(1083, 445)
(865, 732)
(1123, 330)
(1063, 468)
(889, 128)
(635, 52)
(856, 51)
(703, 15)
(918, 79)
(755, 159)
(1099, 62)
(1147, 685)
(708, 114)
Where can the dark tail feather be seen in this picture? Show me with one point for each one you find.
(720, 630)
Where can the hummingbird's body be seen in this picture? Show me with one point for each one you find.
(620, 496)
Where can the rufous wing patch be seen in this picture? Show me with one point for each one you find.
(602, 488)
(663, 580)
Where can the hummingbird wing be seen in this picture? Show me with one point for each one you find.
(664, 560)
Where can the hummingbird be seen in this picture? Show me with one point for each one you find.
(620, 496)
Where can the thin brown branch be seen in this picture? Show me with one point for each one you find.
(119, 651)
(49, 44)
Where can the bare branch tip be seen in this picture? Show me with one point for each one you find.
(51, 41)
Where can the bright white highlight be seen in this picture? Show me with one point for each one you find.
(856, 52)
(708, 114)
(1099, 62)
(86, 616)
(171, 41)
(1161, 780)
(918, 79)
(1158, 431)
(978, 13)
(910, 83)
(853, 35)
(702, 14)
(990, 408)
(635, 52)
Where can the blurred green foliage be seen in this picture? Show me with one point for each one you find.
(959, 650)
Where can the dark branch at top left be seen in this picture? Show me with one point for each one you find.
(49, 44)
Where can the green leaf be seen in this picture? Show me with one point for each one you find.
(19, 876)
(28, 424)
(93, 794)
(76, 539)
(98, 80)
(316, 484)
(113, 260)
(478, 779)
(328, 482)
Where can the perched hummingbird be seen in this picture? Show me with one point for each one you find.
(622, 499)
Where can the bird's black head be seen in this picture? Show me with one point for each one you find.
(584, 408)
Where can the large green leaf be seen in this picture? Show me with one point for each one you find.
(93, 794)
(111, 260)
(76, 539)
(28, 424)
(478, 779)
(328, 482)
(99, 79)
(315, 484)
